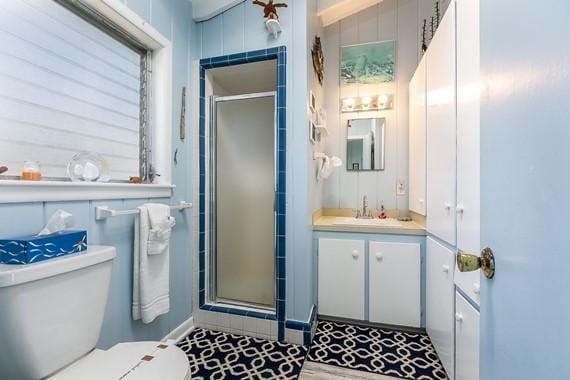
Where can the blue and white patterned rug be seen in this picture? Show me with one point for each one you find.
(387, 352)
(218, 355)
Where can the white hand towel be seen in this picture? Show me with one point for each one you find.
(151, 264)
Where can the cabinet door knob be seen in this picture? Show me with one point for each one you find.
(445, 268)
(459, 317)
(379, 256)
(355, 254)
(460, 208)
(447, 205)
(421, 200)
(476, 288)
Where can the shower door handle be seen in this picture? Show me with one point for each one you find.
(275, 201)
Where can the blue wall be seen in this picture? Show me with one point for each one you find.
(242, 29)
(173, 19)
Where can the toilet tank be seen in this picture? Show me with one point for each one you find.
(51, 312)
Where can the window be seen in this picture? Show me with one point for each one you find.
(71, 81)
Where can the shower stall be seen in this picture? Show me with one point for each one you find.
(242, 184)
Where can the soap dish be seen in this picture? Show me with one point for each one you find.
(405, 219)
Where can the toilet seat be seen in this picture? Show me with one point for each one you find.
(130, 361)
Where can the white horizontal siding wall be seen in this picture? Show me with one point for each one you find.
(65, 87)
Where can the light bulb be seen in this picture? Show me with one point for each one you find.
(348, 103)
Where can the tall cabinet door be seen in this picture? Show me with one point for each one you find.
(441, 134)
(439, 301)
(468, 141)
(418, 139)
(394, 283)
(341, 278)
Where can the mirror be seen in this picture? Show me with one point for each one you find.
(365, 144)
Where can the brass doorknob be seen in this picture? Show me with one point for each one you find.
(467, 262)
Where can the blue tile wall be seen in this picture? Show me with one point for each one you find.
(280, 54)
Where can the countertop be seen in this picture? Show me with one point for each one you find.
(324, 221)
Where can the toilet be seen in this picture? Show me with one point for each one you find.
(50, 320)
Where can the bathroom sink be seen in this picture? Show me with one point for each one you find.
(346, 221)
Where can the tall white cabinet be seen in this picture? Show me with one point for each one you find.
(467, 345)
(441, 130)
(417, 109)
(453, 197)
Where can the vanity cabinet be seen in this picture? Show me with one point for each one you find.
(417, 140)
(377, 278)
(440, 292)
(341, 265)
(394, 283)
(441, 130)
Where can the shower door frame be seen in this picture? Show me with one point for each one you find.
(278, 53)
(212, 214)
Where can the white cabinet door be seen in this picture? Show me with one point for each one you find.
(466, 340)
(441, 134)
(394, 283)
(418, 139)
(468, 141)
(439, 301)
(341, 278)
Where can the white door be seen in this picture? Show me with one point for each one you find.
(394, 283)
(418, 139)
(525, 189)
(441, 134)
(341, 278)
(466, 340)
(468, 142)
(439, 301)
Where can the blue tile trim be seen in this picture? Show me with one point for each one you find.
(306, 327)
(280, 54)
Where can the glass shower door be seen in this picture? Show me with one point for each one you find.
(243, 191)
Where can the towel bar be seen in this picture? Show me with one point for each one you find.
(104, 212)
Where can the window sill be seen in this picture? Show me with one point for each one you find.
(15, 191)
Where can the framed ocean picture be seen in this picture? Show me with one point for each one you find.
(368, 63)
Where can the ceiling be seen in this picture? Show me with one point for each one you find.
(203, 10)
(331, 11)
(245, 79)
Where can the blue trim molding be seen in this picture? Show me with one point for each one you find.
(306, 327)
(279, 54)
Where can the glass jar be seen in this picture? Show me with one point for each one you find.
(31, 171)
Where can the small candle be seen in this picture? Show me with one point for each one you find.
(31, 171)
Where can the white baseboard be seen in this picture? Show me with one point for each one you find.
(180, 332)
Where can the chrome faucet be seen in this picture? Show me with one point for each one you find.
(365, 213)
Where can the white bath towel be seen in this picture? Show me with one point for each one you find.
(151, 263)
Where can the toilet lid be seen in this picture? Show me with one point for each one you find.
(130, 361)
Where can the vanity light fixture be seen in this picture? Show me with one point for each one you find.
(368, 103)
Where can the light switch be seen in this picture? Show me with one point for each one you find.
(400, 188)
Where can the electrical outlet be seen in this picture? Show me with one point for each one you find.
(400, 188)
